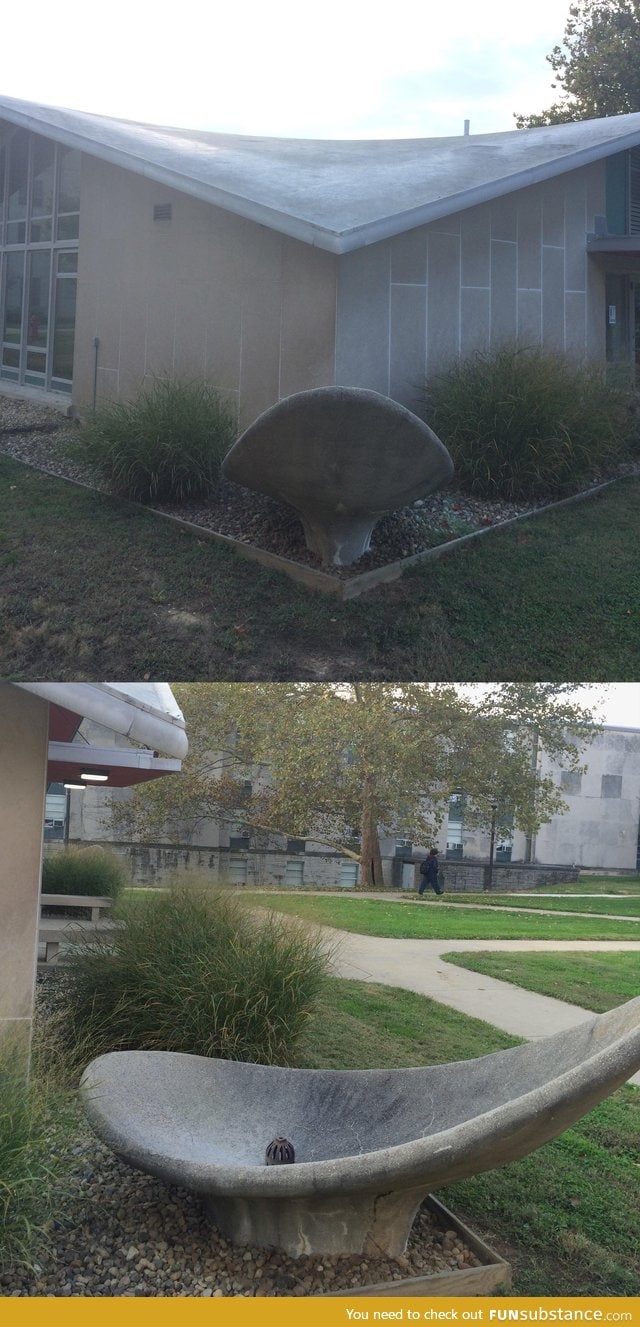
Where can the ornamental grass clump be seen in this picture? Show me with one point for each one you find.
(34, 1129)
(529, 424)
(91, 871)
(194, 970)
(165, 446)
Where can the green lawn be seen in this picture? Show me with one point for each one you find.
(598, 884)
(628, 906)
(421, 921)
(593, 981)
(566, 1217)
(94, 587)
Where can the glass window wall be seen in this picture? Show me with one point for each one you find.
(39, 228)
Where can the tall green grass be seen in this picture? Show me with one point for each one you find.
(35, 1123)
(88, 871)
(166, 445)
(523, 424)
(195, 970)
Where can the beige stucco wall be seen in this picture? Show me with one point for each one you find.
(514, 269)
(206, 293)
(24, 723)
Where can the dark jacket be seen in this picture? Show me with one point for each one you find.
(429, 870)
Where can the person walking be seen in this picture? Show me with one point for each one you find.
(429, 873)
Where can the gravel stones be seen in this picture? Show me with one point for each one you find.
(118, 1232)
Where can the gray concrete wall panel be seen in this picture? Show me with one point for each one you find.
(596, 191)
(575, 323)
(596, 330)
(553, 210)
(475, 234)
(475, 320)
(552, 298)
(408, 344)
(530, 240)
(409, 257)
(443, 307)
(575, 230)
(504, 218)
(504, 310)
(362, 332)
(529, 318)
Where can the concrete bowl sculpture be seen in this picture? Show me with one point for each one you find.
(342, 457)
(369, 1144)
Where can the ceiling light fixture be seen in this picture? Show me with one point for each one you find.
(95, 775)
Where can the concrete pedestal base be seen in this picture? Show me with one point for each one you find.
(375, 1223)
(339, 540)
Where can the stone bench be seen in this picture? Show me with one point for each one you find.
(54, 931)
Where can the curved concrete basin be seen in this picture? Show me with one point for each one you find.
(369, 1144)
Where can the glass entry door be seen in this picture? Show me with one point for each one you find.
(620, 316)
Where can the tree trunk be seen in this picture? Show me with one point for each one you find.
(371, 861)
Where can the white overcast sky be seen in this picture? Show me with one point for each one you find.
(339, 69)
(613, 703)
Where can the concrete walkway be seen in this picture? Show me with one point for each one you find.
(417, 965)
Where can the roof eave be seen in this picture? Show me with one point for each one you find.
(127, 716)
(308, 232)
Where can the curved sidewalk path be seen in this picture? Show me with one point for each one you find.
(417, 965)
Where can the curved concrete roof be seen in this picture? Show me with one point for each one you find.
(145, 712)
(339, 195)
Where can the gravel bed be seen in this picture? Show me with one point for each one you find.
(120, 1232)
(117, 1231)
(38, 436)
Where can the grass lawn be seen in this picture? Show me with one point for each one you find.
(593, 981)
(628, 906)
(598, 884)
(566, 1217)
(419, 921)
(94, 587)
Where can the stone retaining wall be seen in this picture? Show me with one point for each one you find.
(154, 864)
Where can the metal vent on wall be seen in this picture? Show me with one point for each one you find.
(162, 211)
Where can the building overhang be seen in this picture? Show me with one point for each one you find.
(143, 712)
(123, 767)
(627, 246)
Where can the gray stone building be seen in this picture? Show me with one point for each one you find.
(600, 830)
(275, 265)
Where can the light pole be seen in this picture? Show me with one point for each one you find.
(489, 881)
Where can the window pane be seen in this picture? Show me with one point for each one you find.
(3, 160)
(68, 262)
(38, 306)
(17, 199)
(65, 319)
(42, 190)
(11, 358)
(13, 297)
(69, 195)
(36, 361)
(69, 227)
(611, 785)
(41, 230)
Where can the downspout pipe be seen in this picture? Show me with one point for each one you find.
(96, 347)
